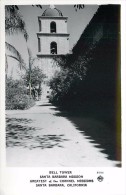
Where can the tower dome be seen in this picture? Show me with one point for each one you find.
(52, 11)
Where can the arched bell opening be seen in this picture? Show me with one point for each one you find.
(53, 27)
(53, 48)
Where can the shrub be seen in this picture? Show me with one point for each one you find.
(22, 102)
(16, 95)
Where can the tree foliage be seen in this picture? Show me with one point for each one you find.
(79, 6)
(66, 83)
(14, 22)
(37, 76)
(16, 55)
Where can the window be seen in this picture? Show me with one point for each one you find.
(53, 48)
(39, 45)
(53, 27)
(40, 26)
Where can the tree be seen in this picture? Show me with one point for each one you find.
(33, 77)
(14, 24)
(37, 76)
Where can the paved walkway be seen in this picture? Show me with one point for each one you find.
(41, 137)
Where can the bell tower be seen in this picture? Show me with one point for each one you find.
(53, 39)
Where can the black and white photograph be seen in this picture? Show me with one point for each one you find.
(63, 85)
(63, 95)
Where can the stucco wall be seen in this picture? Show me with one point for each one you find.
(61, 25)
(62, 44)
(48, 67)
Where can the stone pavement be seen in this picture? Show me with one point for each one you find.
(41, 137)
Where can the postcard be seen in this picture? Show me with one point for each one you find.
(63, 90)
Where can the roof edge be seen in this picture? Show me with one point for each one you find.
(53, 17)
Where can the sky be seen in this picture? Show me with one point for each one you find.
(77, 21)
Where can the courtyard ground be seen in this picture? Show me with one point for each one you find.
(41, 137)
